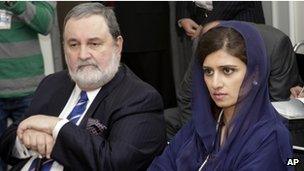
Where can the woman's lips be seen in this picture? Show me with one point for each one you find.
(219, 96)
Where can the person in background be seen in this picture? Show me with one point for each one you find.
(233, 126)
(21, 61)
(192, 16)
(98, 115)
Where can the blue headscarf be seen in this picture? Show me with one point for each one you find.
(253, 109)
(256, 131)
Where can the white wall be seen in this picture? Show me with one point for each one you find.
(46, 48)
(287, 16)
(298, 8)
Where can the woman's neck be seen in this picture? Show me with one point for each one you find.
(228, 114)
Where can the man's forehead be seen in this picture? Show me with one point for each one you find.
(90, 24)
(86, 17)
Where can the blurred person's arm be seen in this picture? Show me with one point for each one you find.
(184, 18)
(184, 10)
(191, 27)
(284, 72)
(38, 15)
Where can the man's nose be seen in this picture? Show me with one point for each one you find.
(84, 53)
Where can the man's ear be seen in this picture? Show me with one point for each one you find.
(119, 44)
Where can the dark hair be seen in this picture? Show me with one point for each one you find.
(221, 38)
(88, 9)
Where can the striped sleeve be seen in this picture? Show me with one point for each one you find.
(37, 15)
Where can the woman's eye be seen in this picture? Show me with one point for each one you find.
(208, 71)
(228, 71)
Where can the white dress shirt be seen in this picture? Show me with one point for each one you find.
(20, 151)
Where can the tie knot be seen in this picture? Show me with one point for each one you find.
(83, 96)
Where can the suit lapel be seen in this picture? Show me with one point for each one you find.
(61, 97)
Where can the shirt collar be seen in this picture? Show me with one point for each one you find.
(91, 94)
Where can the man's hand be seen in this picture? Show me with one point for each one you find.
(296, 92)
(190, 27)
(41, 123)
(38, 141)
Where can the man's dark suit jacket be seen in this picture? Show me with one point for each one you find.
(284, 74)
(131, 114)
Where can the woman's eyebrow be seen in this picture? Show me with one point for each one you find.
(230, 66)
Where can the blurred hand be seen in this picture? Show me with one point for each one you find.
(209, 26)
(38, 141)
(296, 92)
(41, 123)
(197, 32)
(189, 26)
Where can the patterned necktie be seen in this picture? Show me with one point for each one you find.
(73, 117)
(79, 108)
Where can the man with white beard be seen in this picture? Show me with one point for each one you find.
(96, 116)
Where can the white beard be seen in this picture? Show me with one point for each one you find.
(92, 77)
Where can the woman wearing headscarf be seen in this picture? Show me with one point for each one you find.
(234, 126)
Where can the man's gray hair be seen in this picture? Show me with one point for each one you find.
(88, 9)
